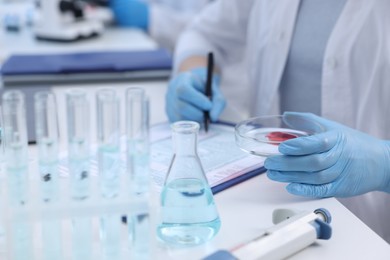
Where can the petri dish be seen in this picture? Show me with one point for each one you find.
(262, 135)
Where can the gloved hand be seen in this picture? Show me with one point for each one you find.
(185, 98)
(131, 13)
(339, 162)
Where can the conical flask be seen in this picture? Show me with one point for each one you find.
(189, 215)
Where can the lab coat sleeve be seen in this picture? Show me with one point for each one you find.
(166, 24)
(221, 27)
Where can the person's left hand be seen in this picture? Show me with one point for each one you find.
(132, 13)
(339, 162)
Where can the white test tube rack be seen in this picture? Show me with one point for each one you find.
(34, 213)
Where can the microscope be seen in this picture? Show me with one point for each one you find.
(65, 21)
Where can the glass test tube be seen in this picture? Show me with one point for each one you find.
(78, 142)
(79, 161)
(16, 160)
(15, 137)
(137, 134)
(108, 135)
(46, 128)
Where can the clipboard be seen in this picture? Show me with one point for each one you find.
(222, 173)
(232, 168)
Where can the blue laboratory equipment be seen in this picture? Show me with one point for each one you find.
(79, 166)
(137, 135)
(46, 127)
(189, 214)
(108, 139)
(16, 163)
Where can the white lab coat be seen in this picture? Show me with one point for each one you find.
(355, 77)
(168, 18)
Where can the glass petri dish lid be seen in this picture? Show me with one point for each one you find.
(262, 135)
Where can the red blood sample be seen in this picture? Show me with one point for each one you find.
(280, 136)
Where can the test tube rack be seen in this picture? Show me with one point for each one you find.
(38, 228)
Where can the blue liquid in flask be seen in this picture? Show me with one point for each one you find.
(189, 215)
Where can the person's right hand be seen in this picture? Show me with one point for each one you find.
(185, 98)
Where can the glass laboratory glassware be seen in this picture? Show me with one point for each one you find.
(108, 139)
(46, 128)
(108, 135)
(15, 137)
(78, 162)
(16, 162)
(262, 135)
(137, 134)
(78, 142)
(189, 214)
(47, 136)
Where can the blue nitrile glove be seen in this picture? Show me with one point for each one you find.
(185, 98)
(132, 13)
(338, 162)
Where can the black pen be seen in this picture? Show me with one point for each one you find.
(208, 91)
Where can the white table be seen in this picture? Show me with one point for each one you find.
(244, 209)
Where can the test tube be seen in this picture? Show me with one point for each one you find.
(78, 142)
(108, 135)
(46, 128)
(79, 157)
(16, 160)
(15, 137)
(137, 134)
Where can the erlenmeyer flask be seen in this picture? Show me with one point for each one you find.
(189, 215)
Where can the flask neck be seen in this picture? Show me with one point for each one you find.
(184, 135)
(184, 143)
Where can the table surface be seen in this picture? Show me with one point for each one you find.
(246, 209)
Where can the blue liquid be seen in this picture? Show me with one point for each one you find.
(189, 215)
(49, 177)
(51, 237)
(110, 234)
(16, 169)
(22, 240)
(140, 236)
(109, 170)
(79, 174)
(48, 168)
(17, 185)
(138, 165)
(82, 238)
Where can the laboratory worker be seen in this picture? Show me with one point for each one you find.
(164, 20)
(330, 58)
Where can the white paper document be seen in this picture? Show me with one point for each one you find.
(222, 160)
